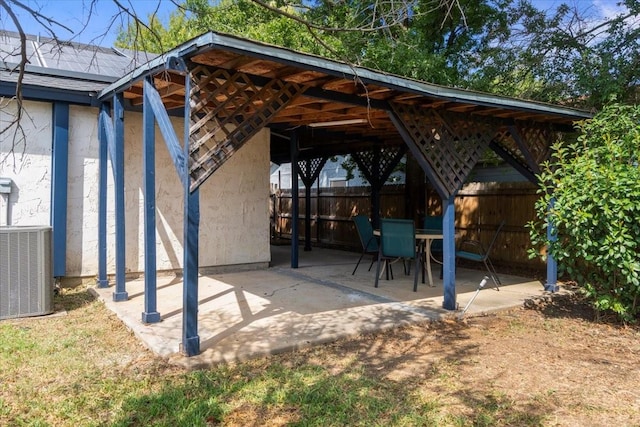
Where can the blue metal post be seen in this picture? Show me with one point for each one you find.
(120, 293)
(295, 207)
(102, 281)
(150, 314)
(449, 253)
(552, 264)
(59, 184)
(190, 338)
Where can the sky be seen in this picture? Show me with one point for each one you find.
(104, 24)
(104, 20)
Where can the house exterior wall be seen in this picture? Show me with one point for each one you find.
(82, 195)
(234, 204)
(234, 215)
(27, 162)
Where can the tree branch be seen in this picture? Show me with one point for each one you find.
(311, 25)
(18, 96)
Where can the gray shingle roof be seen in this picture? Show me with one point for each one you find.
(51, 81)
(65, 65)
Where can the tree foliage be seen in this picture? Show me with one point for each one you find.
(441, 42)
(565, 55)
(243, 18)
(594, 185)
(569, 54)
(445, 42)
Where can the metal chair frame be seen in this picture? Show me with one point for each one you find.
(482, 255)
(367, 239)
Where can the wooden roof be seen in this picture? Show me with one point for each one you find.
(335, 92)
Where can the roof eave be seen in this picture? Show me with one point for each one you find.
(51, 94)
(213, 40)
(155, 65)
(390, 80)
(55, 72)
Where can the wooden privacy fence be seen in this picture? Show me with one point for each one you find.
(479, 209)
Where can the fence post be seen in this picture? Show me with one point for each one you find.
(294, 198)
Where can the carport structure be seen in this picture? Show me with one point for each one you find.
(227, 89)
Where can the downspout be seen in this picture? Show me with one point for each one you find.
(59, 187)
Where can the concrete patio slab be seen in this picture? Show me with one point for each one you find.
(261, 312)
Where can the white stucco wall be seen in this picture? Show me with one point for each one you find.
(25, 158)
(82, 195)
(234, 202)
(234, 208)
(234, 218)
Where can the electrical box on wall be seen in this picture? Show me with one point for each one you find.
(5, 185)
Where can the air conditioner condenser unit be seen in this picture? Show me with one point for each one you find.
(26, 281)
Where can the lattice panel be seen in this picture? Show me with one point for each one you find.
(503, 137)
(505, 141)
(378, 165)
(451, 143)
(309, 169)
(536, 140)
(226, 111)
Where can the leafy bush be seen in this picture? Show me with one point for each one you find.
(595, 186)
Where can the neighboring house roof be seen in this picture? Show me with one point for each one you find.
(62, 70)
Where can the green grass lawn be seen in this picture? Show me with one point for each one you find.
(85, 368)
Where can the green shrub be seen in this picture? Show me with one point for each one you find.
(595, 186)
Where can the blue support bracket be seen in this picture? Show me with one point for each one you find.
(515, 163)
(104, 122)
(120, 293)
(150, 314)
(59, 185)
(154, 102)
(109, 136)
(449, 253)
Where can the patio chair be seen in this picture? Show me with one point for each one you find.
(368, 241)
(397, 240)
(480, 254)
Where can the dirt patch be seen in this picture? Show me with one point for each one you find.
(550, 363)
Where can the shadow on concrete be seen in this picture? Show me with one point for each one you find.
(255, 313)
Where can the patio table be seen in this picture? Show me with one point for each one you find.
(424, 237)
